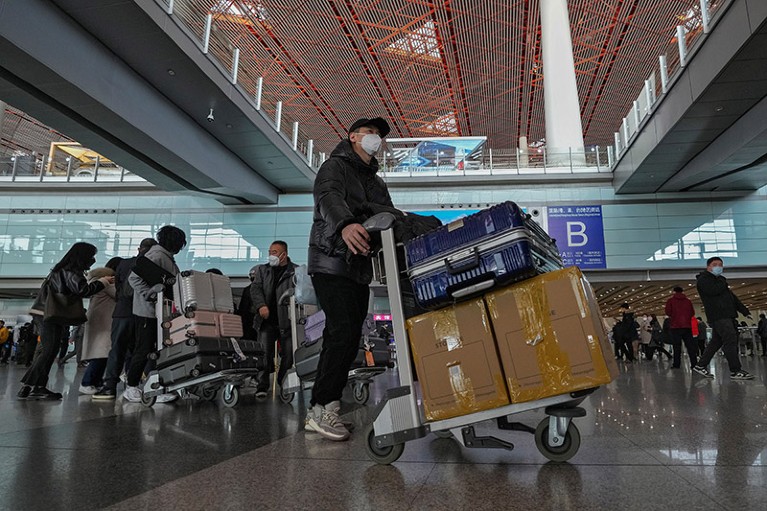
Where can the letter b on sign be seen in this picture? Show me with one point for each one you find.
(576, 234)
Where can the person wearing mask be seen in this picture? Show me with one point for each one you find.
(6, 344)
(245, 308)
(123, 330)
(341, 271)
(645, 336)
(722, 308)
(680, 311)
(271, 319)
(170, 241)
(67, 277)
(761, 330)
(702, 336)
(96, 338)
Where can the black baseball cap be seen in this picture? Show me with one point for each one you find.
(376, 122)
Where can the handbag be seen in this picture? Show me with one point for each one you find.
(304, 291)
(63, 309)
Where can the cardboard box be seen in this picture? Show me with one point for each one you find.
(550, 336)
(456, 360)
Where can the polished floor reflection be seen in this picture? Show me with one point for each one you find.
(655, 438)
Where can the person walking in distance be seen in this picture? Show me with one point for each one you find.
(722, 307)
(702, 335)
(271, 319)
(761, 330)
(341, 272)
(680, 310)
(625, 333)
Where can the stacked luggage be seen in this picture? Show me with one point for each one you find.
(372, 352)
(207, 337)
(507, 324)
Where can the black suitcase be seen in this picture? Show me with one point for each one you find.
(200, 356)
(307, 359)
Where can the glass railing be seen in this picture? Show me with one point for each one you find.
(32, 169)
(211, 24)
(684, 42)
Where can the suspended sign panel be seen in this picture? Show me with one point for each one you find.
(580, 235)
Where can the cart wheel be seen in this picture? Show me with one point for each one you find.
(445, 433)
(381, 455)
(167, 342)
(192, 341)
(230, 396)
(189, 314)
(166, 325)
(286, 397)
(153, 355)
(148, 401)
(361, 393)
(194, 373)
(209, 393)
(557, 453)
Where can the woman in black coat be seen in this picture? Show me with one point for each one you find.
(67, 277)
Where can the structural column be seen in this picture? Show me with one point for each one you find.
(564, 133)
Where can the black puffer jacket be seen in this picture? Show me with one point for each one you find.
(718, 300)
(343, 192)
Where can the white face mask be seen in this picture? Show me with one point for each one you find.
(274, 260)
(371, 143)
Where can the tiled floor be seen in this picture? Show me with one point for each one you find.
(655, 438)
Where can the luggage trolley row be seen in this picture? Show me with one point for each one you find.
(200, 351)
(522, 252)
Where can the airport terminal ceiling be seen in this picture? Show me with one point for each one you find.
(460, 67)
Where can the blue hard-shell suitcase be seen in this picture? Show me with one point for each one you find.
(494, 247)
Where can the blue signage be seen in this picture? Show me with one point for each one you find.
(579, 234)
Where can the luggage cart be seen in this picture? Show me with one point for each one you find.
(360, 378)
(204, 387)
(398, 417)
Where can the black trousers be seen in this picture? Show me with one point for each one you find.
(7, 348)
(269, 334)
(123, 340)
(724, 336)
(764, 345)
(345, 303)
(50, 338)
(146, 343)
(684, 335)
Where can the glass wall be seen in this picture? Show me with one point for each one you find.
(640, 231)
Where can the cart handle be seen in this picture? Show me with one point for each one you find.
(476, 288)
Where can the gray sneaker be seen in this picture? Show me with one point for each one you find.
(335, 406)
(325, 422)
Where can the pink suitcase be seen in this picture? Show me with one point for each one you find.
(204, 324)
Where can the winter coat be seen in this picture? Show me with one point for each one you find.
(626, 328)
(645, 330)
(97, 337)
(702, 327)
(679, 308)
(761, 328)
(343, 190)
(263, 292)
(718, 300)
(66, 282)
(245, 311)
(143, 294)
(123, 290)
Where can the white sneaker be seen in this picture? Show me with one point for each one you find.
(132, 394)
(88, 390)
(167, 398)
(308, 423)
(325, 422)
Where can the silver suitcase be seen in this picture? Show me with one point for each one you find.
(195, 290)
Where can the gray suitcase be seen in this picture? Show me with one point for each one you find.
(195, 290)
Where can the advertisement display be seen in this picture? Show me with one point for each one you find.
(579, 234)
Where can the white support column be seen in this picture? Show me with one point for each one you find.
(561, 104)
(310, 152)
(295, 135)
(259, 91)
(637, 114)
(278, 116)
(523, 153)
(649, 94)
(206, 34)
(626, 131)
(663, 73)
(170, 7)
(704, 16)
(235, 64)
(617, 143)
(681, 43)
(610, 159)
